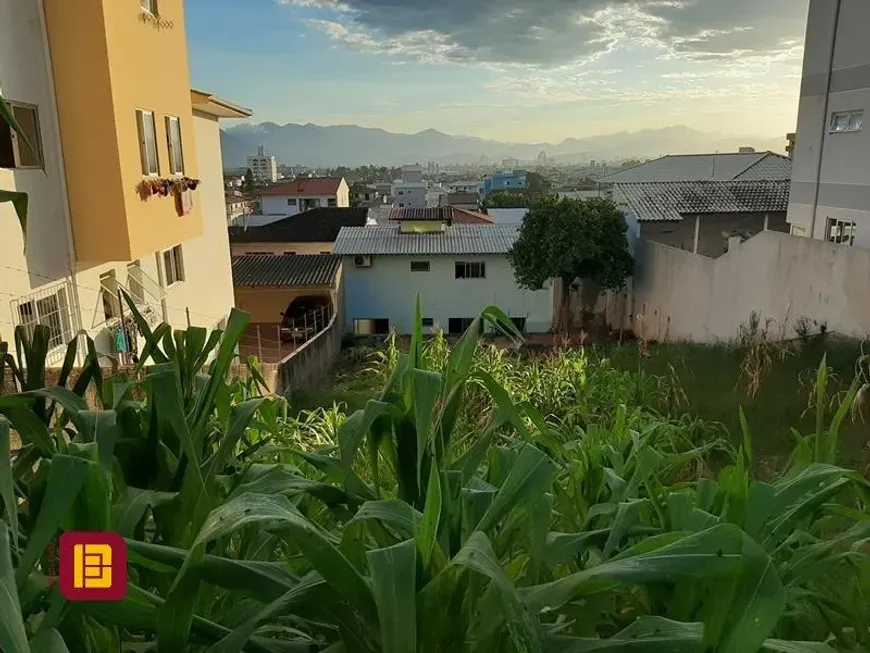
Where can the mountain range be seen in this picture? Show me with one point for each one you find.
(351, 145)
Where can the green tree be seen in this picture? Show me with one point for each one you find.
(248, 185)
(570, 239)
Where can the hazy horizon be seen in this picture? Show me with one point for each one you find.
(500, 71)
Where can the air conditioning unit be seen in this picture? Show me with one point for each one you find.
(362, 261)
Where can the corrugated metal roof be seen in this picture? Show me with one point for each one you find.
(458, 239)
(705, 167)
(669, 201)
(285, 269)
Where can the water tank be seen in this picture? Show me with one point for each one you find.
(746, 150)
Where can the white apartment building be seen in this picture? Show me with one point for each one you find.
(264, 167)
(410, 192)
(830, 189)
(94, 225)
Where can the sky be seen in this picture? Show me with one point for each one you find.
(510, 70)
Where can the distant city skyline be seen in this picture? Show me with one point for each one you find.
(501, 71)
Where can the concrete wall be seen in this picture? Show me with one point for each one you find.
(388, 290)
(829, 178)
(276, 205)
(711, 241)
(313, 359)
(678, 295)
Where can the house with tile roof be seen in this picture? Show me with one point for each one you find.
(303, 194)
(701, 216)
(265, 285)
(456, 269)
(741, 166)
(311, 232)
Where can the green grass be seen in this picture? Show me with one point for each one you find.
(710, 377)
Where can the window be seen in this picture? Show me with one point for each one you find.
(173, 265)
(401, 192)
(847, 121)
(14, 151)
(401, 206)
(428, 322)
(291, 201)
(458, 325)
(173, 140)
(52, 311)
(110, 295)
(841, 231)
(369, 326)
(149, 5)
(471, 270)
(134, 281)
(331, 201)
(147, 142)
(420, 266)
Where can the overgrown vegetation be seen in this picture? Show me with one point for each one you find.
(472, 504)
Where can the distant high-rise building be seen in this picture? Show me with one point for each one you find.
(410, 190)
(263, 166)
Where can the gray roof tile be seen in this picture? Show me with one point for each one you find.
(458, 239)
(285, 269)
(706, 167)
(669, 201)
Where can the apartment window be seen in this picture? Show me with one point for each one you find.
(331, 201)
(420, 266)
(847, 121)
(841, 231)
(401, 192)
(401, 206)
(291, 201)
(173, 140)
(149, 5)
(14, 151)
(52, 311)
(458, 325)
(471, 270)
(147, 142)
(135, 282)
(173, 265)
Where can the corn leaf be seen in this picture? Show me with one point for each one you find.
(427, 530)
(48, 641)
(645, 635)
(66, 477)
(7, 489)
(13, 638)
(393, 573)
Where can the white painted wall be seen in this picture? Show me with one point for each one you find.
(413, 195)
(684, 296)
(507, 216)
(208, 286)
(388, 289)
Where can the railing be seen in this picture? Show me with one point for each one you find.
(274, 342)
(53, 307)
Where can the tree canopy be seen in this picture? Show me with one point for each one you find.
(570, 239)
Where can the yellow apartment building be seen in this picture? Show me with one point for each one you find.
(124, 175)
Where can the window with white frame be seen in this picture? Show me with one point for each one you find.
(51, 310)
(147, 142)
(173, 265)
(847, 121)
(291, 201)
(17, 152)
(476, 270)
(173, 141)
(149, 5)
(841, 231)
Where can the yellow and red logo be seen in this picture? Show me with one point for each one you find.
(93, 566)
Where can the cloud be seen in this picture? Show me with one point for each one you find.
(553, 33)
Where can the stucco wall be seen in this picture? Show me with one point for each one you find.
(389, 289)
(208, 285)
(266, 304)
(684, 296)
